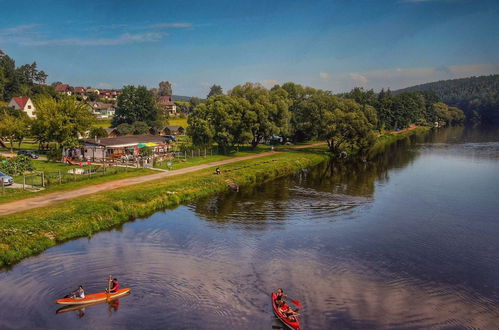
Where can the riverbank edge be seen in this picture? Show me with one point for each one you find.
(31, 232)
(389, 138)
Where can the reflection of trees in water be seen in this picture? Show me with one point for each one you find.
(330, 182)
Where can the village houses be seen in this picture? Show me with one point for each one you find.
(23, 103)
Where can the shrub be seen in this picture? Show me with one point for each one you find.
(16, 165)
(54, 155)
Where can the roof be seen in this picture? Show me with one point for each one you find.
(172, 128)
(79, 90)
(21, 101)
(166, 100)
(125, 141)
(101, 105)
(61, 87)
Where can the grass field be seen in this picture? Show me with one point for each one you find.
(30, 232)
(69, 181)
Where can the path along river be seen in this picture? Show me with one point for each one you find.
(408, 240)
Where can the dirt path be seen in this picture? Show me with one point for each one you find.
(410, 128)
(49, 199)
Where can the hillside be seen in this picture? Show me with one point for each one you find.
(181, 98)
(478, 97)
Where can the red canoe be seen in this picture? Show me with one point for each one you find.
(93, 298)
(294, 325)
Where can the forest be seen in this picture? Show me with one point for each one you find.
(478, 97)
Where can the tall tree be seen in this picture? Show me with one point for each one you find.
(165, 89)
(136, 104)
(62, 121)
(215, 90)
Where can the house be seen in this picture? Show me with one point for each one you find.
(102, 110)
(165, 103)
(116, 148)
(92, 90)
(112, 132)
(25, 104)
(172, 130)
(63, 88)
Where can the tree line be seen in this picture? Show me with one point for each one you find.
(478, 97)
(349, 122)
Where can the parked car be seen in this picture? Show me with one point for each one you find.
(28, 153)
(171, 138)
(7, 179)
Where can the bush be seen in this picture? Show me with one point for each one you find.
(16, 165)
(54, 155)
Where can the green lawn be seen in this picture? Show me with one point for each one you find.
(66, 181)
(178, 122)
(104, 123)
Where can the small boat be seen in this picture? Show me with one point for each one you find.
(93, 298)
(294, 325)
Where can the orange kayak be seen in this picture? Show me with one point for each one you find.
(93, 298)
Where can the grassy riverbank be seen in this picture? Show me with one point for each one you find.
(31, 232)
(388, 138)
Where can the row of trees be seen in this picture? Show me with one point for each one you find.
(252, 114)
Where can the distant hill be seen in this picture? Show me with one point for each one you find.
(478, 97)
(181, 98)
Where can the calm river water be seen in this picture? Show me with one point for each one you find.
(409, 240)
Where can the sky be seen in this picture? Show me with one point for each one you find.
(333, 45)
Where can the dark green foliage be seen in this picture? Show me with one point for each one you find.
(25, 80)
(124, 129)
(139, 127)
(136, 104)
(478, 97)
(215, 90)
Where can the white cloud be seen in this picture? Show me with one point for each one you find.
(325, 75)
(123, 39)
(269, 83)
(358, 78)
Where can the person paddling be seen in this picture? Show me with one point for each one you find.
(280, 295)
(115, 286)
(79, 293)
(286, 310)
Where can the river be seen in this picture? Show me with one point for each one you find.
(407, 240)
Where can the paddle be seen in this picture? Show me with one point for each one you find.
(296, 302)
(109, 289)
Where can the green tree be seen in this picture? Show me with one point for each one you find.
(12, 128)
(98, 132)
(268, 112)
(62, 121)
(124, 129)
(136, 104)
(215, 90)
(165, 89)
(139, 127)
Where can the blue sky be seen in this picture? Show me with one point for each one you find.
(334, 45)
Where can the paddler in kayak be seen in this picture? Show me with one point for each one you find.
(280, 295)
(286, 310)
(115, 286)
(78, 294)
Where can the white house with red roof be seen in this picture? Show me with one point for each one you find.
(23, 103)
(63, 88)
(166, 103)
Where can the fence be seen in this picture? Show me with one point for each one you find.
(50, 178)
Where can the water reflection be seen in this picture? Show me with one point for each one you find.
(79, 310)
(328, 189)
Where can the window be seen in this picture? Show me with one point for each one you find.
(29, 106)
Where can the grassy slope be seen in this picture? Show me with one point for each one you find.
(27, 233)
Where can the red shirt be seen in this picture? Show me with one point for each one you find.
(116, 286)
